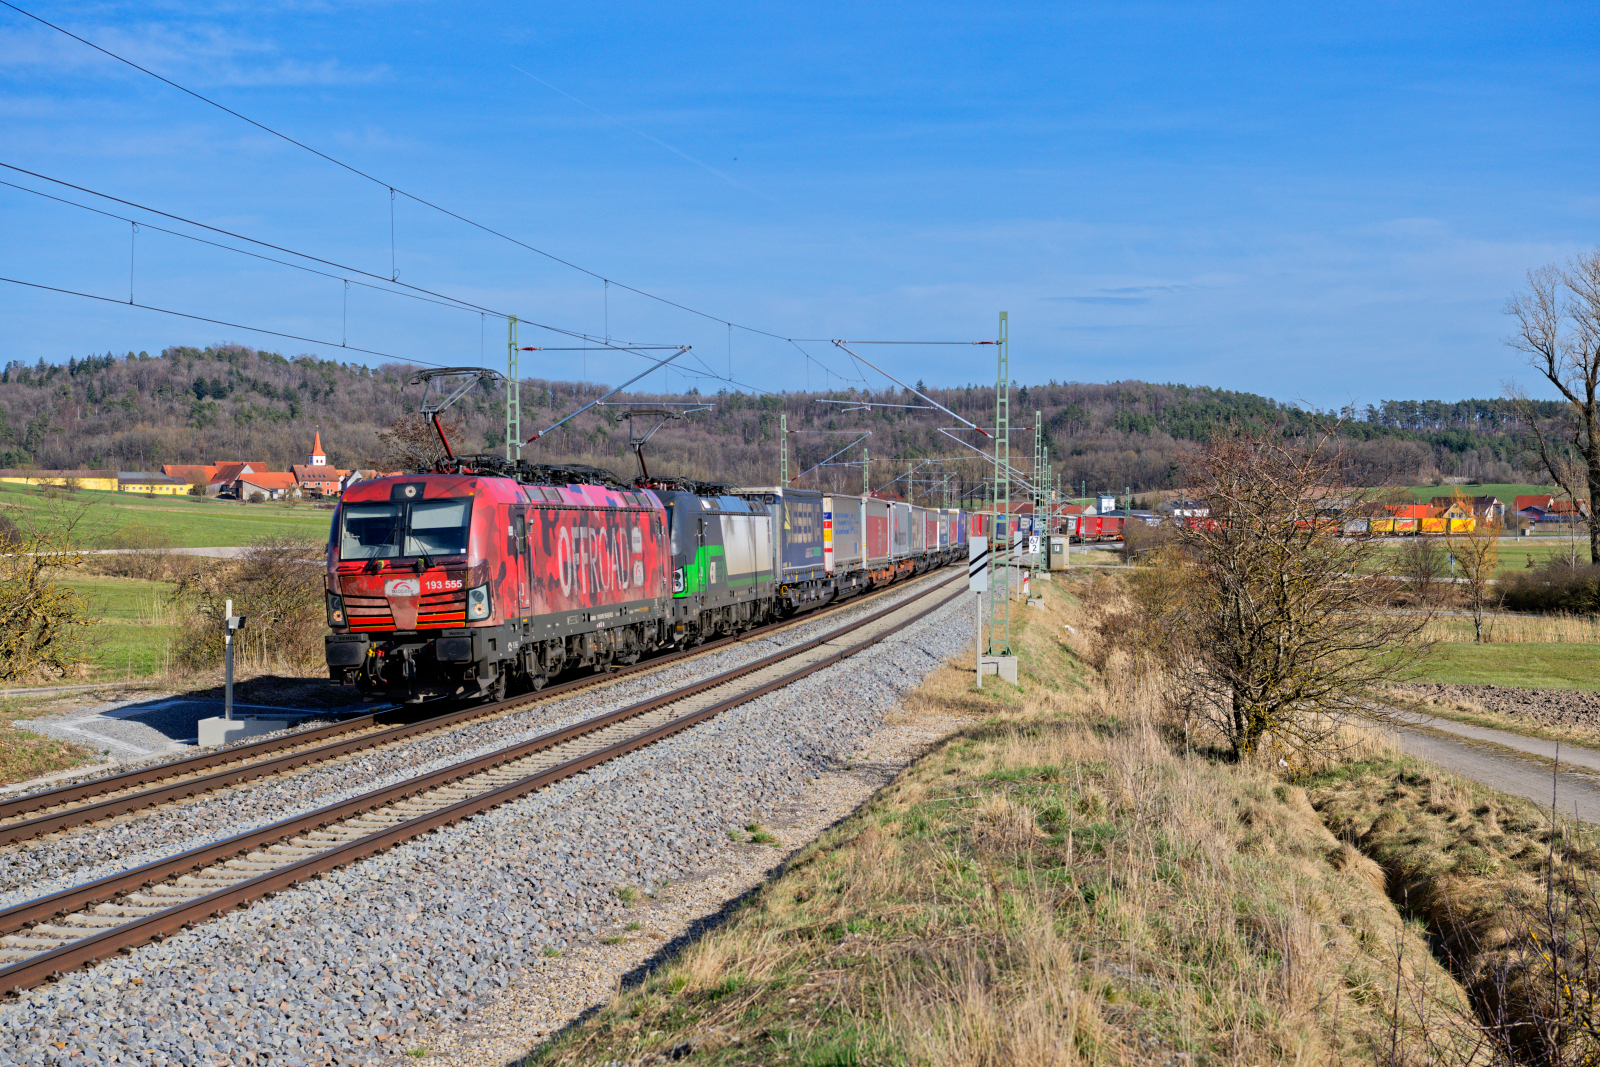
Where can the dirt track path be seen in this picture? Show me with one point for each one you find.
(1510, 762)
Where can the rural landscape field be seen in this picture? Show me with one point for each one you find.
(1038, 535)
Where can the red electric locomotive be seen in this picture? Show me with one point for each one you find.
(461, 585)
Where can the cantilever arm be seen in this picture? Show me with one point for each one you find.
(658, 365)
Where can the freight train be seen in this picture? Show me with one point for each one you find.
(497, 577)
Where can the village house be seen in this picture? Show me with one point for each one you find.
(314, 477)
(149, 482)
(1483, 508)
(1545, 507)
(269, 485)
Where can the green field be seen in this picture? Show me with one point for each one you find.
(134, 626)
(185, 521)
(1529, 666)
(1505, 493)
(1515, 552)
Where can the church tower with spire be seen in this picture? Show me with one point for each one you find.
(317, 459)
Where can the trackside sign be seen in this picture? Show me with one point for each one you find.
(978, 564)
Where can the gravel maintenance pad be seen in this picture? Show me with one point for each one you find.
(343, 968)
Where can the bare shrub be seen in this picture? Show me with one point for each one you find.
(1280, 629)
(1140, 539)
(41, 620)
(1421, 564)
(277, 586)
(1555, 587)
(143, 552)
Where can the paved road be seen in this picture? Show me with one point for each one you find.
(1510, 762)
(229, 552)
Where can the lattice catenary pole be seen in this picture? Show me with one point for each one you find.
(1000, 534)
(513, 395)
(1039, 504)
(783, 449)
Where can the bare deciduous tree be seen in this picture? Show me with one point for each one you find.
(1558, 328)
(1477, 554)
(411, 443)
(1288, 630)
(40, 618)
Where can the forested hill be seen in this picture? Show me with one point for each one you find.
(187, 405)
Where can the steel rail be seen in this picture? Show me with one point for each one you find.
(11, 833)
(32, 971)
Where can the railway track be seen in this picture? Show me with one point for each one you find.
(82, 803)
(82, 925)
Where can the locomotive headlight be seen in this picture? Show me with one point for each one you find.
(677, 580)
(478, 602)
(335, 610)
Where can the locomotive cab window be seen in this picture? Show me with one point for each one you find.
(384, 531)
(371, 531)
(439, 528)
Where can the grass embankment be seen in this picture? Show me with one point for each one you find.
(1057, 884)
(1515, 552)
(1496, 880)
(24, 754)
(182, 522)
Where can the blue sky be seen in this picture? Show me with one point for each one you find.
(1321, 203)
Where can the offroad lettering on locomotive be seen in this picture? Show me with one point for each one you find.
(583, 557)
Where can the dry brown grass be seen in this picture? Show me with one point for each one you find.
(1055, 885)
(1517, 630)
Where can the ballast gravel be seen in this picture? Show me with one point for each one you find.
(35, 868)
(344, 968)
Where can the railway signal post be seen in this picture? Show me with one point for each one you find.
(978, 581)
(231, 624)
(220, 731)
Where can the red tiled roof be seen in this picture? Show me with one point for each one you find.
(189, 472)
(269, 480)
(1551, 505)
(228, 473)
(308, 473)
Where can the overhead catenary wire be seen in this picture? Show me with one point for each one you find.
(393, 189)
(441, 298)
(217, 322)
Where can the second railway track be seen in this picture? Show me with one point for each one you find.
(87, 923)
(83, 803)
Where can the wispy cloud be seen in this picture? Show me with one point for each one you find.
(1123, 294)
(203, 55)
